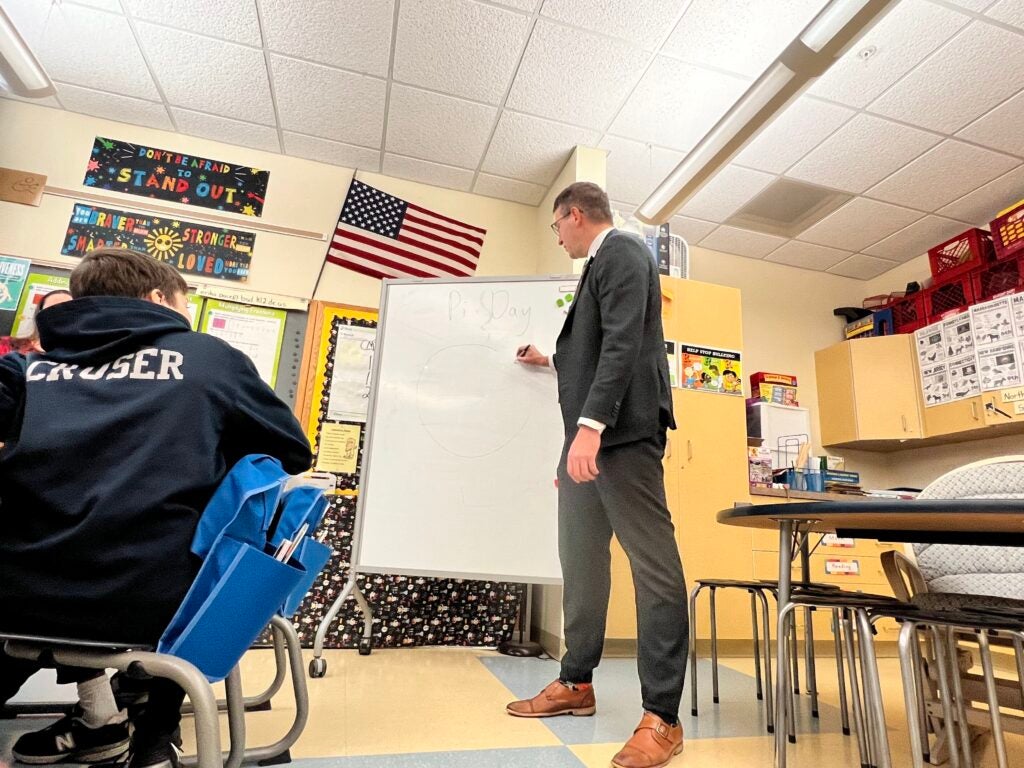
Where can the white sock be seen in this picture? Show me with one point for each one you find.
(97, 700)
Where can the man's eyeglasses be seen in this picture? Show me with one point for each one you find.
(554, 224)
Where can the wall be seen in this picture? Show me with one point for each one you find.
(586, 164)
(303, 195)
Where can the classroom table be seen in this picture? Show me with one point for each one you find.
(998, 522)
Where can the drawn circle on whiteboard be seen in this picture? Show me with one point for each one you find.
(468, 402)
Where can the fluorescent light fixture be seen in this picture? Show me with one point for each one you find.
(19, 68)
(829, 35)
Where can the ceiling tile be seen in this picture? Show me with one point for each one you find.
(124, 109)
(662, 109)
(228, 79)
(531, 149)
(333, 152)
(861, 153)
(634, 169)
(963, 80)
(575, 76)
(226, 130)
(691, 230)
(859, 223)
(442, 129)
(644, 22)
(742, 36)
(902, 40)
(522, 5)
(1002, 128)
(353, 34)
(459, 47)
(435, 174)
(741, 242)
(67, 39)
(982, 205)
(916, 239)
(509, 189)
(863, 267)
(730, 189)
(237, 21)
(318, 100)
(791, 135)
(114, 6)
(973, 5)
(808, 256)
(1009, 12)
(942, 175)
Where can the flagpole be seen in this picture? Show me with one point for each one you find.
(323, 264)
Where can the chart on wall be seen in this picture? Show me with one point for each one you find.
(255, 331)
(705, 369)
(36, 286)
(192, 249)
(177, 177)
(998, 343)
(350, 374)
(13, 274)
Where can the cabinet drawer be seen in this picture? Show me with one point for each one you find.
(769, 541)
(830, 569)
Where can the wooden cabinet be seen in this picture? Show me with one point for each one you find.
(953, 418)
(867, 390)
(705, 468)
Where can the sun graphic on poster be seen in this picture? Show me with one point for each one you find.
(163, 243)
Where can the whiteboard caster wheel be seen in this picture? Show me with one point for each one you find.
(317, 668)
(365, 646)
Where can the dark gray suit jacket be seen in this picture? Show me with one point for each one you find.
(610, 355)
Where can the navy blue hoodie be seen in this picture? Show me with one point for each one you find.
(115, 440)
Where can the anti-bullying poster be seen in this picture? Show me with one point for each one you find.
(710, 370)
(137, 169)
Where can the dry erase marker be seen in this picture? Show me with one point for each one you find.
(521, 352)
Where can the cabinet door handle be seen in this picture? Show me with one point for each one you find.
(668, 447)
(974, 410)
(689, 450)
(903, 418)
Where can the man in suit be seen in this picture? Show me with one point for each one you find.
(616, 401)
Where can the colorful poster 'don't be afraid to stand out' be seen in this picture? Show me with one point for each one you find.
(161, 174)
(192, 249)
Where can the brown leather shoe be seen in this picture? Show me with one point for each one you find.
(556, 699)
(654, 743)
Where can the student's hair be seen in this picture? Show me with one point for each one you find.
(123, 272)
(589, 198)
(51, 295)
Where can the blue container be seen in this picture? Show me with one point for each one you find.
(883, 322)
(311, 556)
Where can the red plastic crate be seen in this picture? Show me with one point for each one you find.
(908, 313)
(997, 279)
(948, 297)
(959, 255)
(1008, 232)
(882, 300)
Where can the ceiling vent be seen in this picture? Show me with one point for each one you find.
(787, 207)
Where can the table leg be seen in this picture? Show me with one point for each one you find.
(782, 675)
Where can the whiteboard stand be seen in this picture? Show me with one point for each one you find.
(542, 290)
(523, 647)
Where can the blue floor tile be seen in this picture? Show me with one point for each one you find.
(619, 708)
(533, 757)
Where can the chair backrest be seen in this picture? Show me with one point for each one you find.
(972, 569)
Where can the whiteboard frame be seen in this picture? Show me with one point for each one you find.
(355, 566)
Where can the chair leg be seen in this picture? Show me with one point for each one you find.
(693, 649)
(1018, 655)
(809, 668)
(958, 699)
(714, 650)
(922, 702)
(769, 688)
(911, 689)
(795, 656)
(859, 716)
(873, 690)
(757, 648)
(844, 713)
(788, 707)
(946, 695)
(993, 699)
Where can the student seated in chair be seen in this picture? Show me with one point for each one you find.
(116, 439)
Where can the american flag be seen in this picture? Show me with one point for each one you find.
(382, 236)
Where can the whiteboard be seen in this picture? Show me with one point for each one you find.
(463, 442)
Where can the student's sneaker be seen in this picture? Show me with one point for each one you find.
(69, 739)
(162, 756)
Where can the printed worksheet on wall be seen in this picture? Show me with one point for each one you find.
(256, 331)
